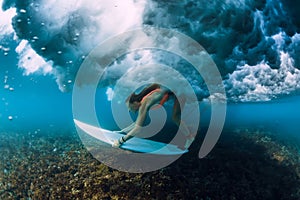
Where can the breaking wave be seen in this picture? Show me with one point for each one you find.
(254, 43)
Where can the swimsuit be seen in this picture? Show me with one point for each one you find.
(163, 99)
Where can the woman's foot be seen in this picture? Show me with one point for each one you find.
(189, 140)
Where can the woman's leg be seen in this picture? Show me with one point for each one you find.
(183, 127)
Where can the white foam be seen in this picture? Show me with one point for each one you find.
(30, 61)
(87, 23)
(261, 82)
(6, 21)
(100, 19)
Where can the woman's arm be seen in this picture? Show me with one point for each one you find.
(140, 119)
(127, 129)
(139, 123)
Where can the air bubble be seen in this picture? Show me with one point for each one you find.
(10, 117)
(23, 11)
(43, 48)
(59, 52)
(6, 49)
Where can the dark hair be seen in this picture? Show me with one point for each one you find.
(138, 97)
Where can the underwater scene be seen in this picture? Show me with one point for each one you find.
(149, 99)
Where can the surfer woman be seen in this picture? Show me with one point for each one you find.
(142, 102)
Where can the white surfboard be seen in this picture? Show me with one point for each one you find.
(135, 144)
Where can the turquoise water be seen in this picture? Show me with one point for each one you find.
(280, 116)
(36, 103)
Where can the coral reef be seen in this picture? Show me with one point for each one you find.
(245, 164)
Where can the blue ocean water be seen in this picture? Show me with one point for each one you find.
(35, 102)
(279, 116)
(31, 102)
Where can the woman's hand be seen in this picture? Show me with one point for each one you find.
(119, 142)
(116, 144)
